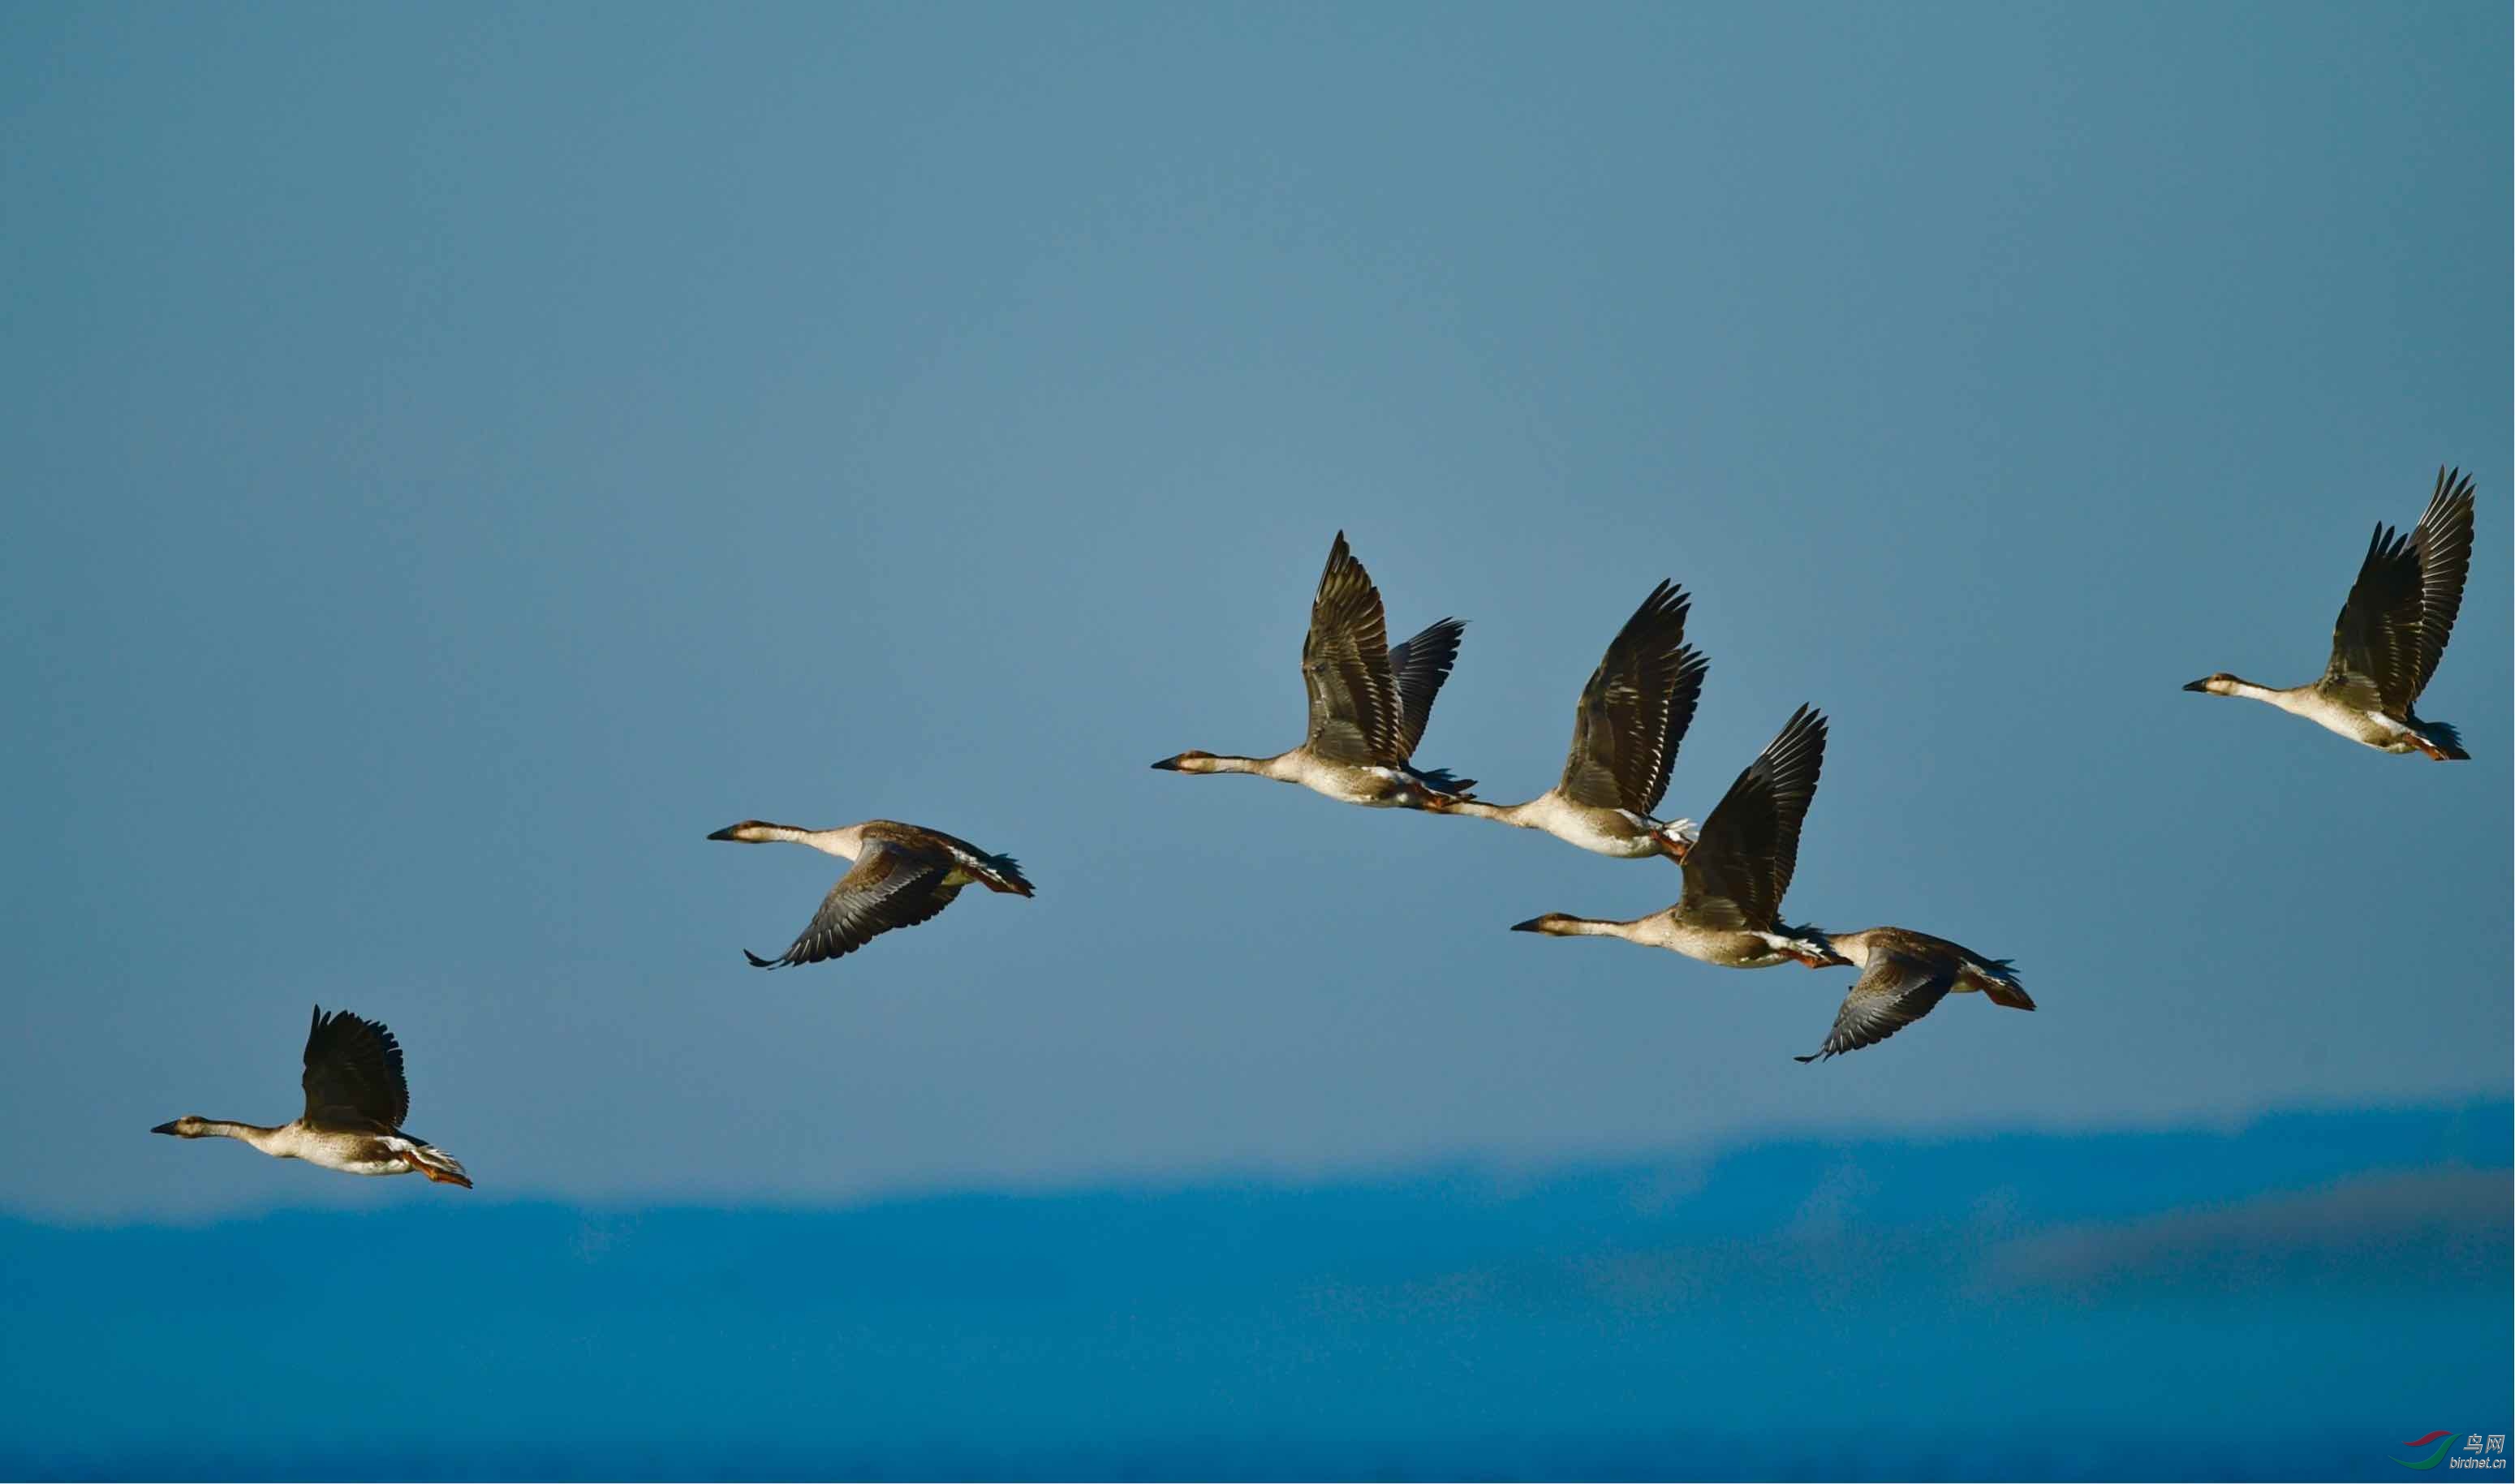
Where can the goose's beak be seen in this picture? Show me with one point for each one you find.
(724, 834)
(1531, 925)
(2202, 686)
(163, 1129)
(1168, 765)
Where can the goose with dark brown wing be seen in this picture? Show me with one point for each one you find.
(903, 874)
(1904, 975)
(1369, 702)
(1730, 911)
(2390, 635)
(1625, 735)
(355, 1100)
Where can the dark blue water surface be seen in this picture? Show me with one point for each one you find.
(2293, 1299)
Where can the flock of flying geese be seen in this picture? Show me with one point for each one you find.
(1369, 703)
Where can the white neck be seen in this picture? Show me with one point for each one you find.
(1517, 815)
(2293, 699)
(845, 844)
(1263, 767)
(1635, 931)
(265, 1140)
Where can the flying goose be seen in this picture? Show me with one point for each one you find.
(355, 1100)
(2390, 635)
(1730, 911)
(903, 874)
(1903, 976)
(1625, 735)
(1369, 703)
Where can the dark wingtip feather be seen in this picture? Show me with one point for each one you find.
(756, 962)
(1339, 556)
(1668, 604)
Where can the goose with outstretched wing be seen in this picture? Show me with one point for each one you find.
(2390, 635)
(355, 1101)
(1625, 735)
(1730, 911)
(902, 875)
(1904, 975)
(1369, 702)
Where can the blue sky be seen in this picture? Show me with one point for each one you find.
(459, 458)
(466, 458)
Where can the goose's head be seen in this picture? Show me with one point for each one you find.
(1189, 762)
(190, 1126)
(751, 832)
(2221, 684)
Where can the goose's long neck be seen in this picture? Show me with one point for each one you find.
(1519, 815)
(2286, 699)
(255, 1135)
(844, 843)
(1563, 925)
(1281, 766)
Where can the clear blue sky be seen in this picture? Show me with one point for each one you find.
(460, 457)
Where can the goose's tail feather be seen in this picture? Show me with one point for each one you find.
(1002, 873)
(2000, 982)
(2447, 740)
(438, 1165)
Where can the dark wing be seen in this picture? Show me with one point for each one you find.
(1635, 710)
(353, 1072)
(2442, 546)
(2375, 641)
(998, 873)
(888, 886)
(1895, 992)
(1738, 871)
(1354, 708)
(1421, 664)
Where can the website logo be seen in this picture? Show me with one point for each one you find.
(2458, 1451)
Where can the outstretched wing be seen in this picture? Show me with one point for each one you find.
(1636, 709)
(1421, 664)
(2442, 546)
(2374, 661)
(1355, 704)
(353, 1072)
(1891, 993)
(997, 873)
(1738, 871)
(888, 886)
